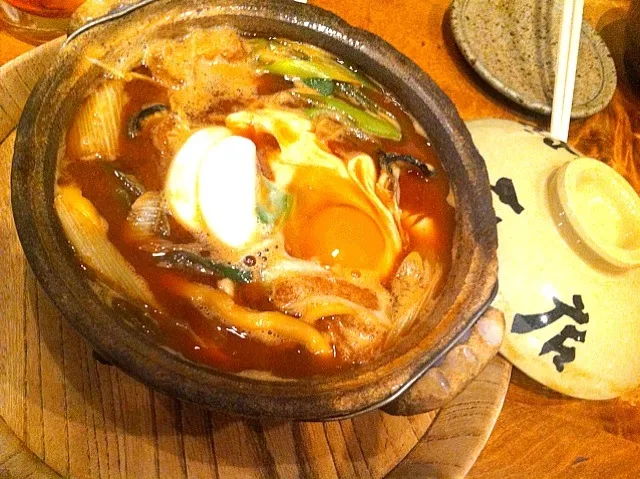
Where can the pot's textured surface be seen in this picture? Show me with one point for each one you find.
(470, 285)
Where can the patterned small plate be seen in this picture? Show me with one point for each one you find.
(512, 44)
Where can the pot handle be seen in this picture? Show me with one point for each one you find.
(443, 382)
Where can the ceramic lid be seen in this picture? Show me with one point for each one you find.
(569, 251)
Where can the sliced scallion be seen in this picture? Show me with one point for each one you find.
(367, 122)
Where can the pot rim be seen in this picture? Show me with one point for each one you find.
(375, 384)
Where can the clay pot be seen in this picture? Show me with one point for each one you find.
(450, 334)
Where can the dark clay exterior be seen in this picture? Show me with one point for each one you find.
(470, 287)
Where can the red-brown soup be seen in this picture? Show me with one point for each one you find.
(256, 203)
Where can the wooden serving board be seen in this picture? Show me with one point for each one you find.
(63, 413)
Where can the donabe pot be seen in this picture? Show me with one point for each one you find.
(448, 345)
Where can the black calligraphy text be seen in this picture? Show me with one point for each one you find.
(556, 145)
(566, 354)
(525, 323)
(507, 194)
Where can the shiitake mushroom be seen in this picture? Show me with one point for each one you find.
(134, 126)
(385, 160)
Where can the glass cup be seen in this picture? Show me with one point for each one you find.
(37, 21)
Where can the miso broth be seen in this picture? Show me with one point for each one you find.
(257, 203)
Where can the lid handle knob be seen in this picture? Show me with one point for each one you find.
(602, 208)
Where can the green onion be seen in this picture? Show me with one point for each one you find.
(313, 69)
(126, 186)
(321, 85)
(267, 51)
(276, 204)
(257, 44)
(365, 121)
(193, 263)
(356, 95)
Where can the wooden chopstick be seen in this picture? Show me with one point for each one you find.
(566, 67)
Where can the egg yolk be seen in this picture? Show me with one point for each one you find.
(342, 235)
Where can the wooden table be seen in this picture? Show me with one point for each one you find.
(540, 434)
